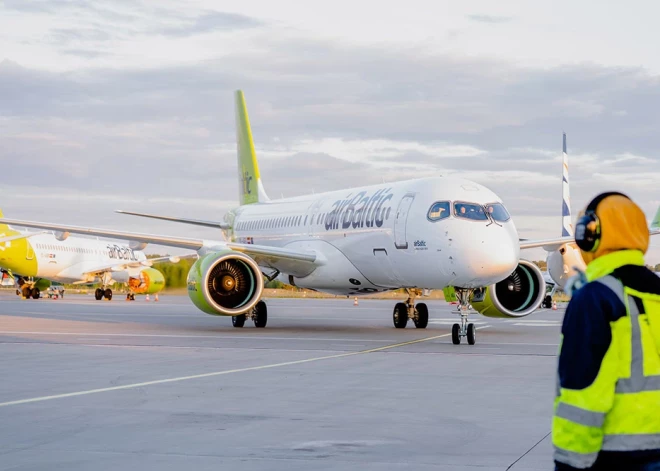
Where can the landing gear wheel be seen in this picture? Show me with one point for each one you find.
(400, 315)
(238, 321)
(98, 294)
(18, 292)
(35, 292)
(456, 334)
(547, 302)
(260, 316)
(471, 334)
(421, 319)
(108, 294)
(26, 292)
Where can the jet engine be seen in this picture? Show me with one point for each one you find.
(518, 295)
(226, 283)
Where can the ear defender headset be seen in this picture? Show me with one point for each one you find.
(587, 229)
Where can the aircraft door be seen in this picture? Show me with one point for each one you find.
(401, 220)
(384, 275)
(29, 254)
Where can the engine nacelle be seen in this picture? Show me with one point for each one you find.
(148, 281)
(226, 283)
(520, 294)
(62, 235)
(135, 245)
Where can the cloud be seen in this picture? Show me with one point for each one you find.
(210, 22)
(491, 19)
(325, 115)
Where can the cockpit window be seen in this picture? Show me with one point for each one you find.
(498, 212)
(439, 210)
(470, 211)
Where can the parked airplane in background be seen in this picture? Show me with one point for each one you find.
(418, 234)
(35, 259)
(565, 261)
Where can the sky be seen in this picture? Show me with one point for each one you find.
(129, 104)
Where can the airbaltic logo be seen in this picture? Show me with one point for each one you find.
(247, 178)
(420, 244)
(360, 210)
(122, 253)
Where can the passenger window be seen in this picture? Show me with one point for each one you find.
(439, 210)
(471, 211)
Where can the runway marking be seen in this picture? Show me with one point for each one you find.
(215, 373)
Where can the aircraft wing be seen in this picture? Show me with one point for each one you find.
(269, 256)
(20, 236)
(554, 244)
(196, 222)
(547, 244)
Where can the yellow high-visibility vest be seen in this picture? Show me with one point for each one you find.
(620, 410)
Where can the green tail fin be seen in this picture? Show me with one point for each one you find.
(251, 189)
(655, 224)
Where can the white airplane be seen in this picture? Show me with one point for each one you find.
(34, 259)
(426, 233)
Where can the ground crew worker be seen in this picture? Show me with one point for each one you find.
(607, 409)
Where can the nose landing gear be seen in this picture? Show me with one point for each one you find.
(465, 328)
(404, 311)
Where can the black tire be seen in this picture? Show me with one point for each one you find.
(98, 294)
(26, 292)
(107, 294)
(400, 315)
(260, 315)
(422, 318)
(471, 334)
(18, 292)
(547, 302)
(455, 334)
(35, 293)
(238, 321)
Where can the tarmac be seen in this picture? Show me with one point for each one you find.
(327, 385)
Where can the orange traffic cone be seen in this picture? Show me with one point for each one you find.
(155, 297)
(147, 299)
(355, 302)
(554, 305)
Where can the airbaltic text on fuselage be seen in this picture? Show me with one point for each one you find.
(122, 253)
(360, 210)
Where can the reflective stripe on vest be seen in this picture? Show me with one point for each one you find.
(579, 415)
(576, 460)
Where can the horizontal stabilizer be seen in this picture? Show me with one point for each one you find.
(195, 222)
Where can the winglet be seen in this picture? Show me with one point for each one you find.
(251, 189)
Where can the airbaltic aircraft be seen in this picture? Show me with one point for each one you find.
(426, 233)
(35, 259)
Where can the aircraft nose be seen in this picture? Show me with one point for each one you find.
(488, 256)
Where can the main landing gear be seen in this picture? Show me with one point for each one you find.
(130, 296)
(465, 328)
(103, 293)
(404, 311)
(258, 314)
(30, 292)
